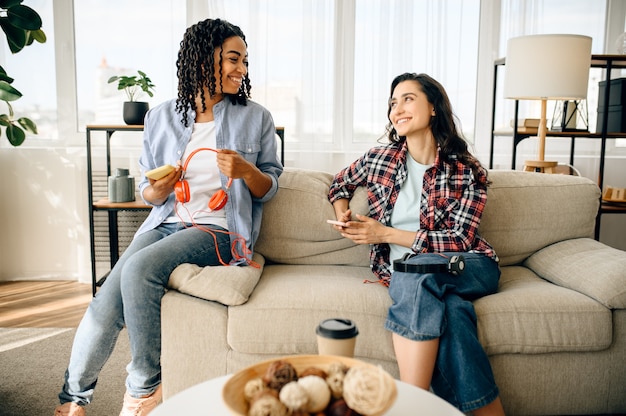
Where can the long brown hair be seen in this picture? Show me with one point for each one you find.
(443, 125)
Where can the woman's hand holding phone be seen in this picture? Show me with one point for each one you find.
(338, 223)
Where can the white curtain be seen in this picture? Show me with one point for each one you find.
(307, 55)
(290, 47)
(439, 38)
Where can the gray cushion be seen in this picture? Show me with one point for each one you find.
(296, 298)
(586, 266)
(529, 315)
(527, 211)
(300, 235)
(229, 285)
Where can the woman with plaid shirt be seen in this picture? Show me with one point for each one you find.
(426, 194)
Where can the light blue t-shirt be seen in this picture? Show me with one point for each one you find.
(406, 211)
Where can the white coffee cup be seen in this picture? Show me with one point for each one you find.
(336, 336)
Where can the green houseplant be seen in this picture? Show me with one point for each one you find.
(21, 26)
(134, 111)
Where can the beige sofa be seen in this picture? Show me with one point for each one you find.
(555, 332)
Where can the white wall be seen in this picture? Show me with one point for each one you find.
(44, 208)
(44, 214)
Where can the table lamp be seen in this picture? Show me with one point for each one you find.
(543, 67)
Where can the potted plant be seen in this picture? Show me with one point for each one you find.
(134, 111)
(21, 26)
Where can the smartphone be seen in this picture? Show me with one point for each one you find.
(160, 172)
(333, 222)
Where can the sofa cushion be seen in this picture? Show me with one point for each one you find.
(229, 285)
(527, 211)
(294, 228)
(529, 315)
(296, 298)
(586, 266)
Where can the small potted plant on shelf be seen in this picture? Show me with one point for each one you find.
(134, 111)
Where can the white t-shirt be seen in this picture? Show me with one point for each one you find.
(406, 211)
(203, 178)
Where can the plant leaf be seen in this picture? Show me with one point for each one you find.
(38, 35)
(7, 4)
(16, 37)
(4, 76)
(8, 93)
(15, 135)
(5, 120)
(27, 124)
(24, 17)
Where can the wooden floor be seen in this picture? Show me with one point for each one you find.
(43, 304)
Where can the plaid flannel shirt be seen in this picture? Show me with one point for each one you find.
(451, 206)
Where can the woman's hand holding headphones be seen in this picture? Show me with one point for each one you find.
(232, 164)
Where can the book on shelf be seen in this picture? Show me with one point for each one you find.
(520, 130)
(527, 130)
(526, 122)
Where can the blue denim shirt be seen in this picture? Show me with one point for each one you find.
(247, 129)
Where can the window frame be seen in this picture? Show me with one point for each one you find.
(66, 76)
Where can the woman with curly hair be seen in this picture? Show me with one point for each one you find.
(426, 195)
(232, 142)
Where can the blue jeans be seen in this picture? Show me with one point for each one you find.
(131, 297)
(438, 305)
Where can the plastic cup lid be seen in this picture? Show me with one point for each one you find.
(337, 328)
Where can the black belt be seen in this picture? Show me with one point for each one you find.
(454, 265)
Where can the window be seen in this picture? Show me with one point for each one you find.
(290, 48)
(302, 54)
(118, 38)
(439, 38)
(322, 67)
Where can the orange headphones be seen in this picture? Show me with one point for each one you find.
(182, 192)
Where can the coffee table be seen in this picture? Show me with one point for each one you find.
(206, 398)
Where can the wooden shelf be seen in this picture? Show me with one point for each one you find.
(563, 134)
(115, 127)
(612, 208)
(606, 62)
(104, 204)
(137, 204)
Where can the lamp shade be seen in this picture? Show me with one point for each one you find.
(547, 67)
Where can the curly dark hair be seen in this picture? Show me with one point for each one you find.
(443, 125)
(196, 55)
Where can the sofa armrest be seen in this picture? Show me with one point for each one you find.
(586, 266)
(228, 285)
